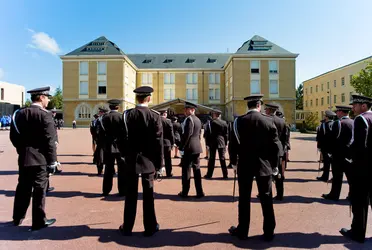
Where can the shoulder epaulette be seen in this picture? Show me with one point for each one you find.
(156, 112)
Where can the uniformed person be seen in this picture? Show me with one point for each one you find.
(33, 134)
(287, 145)
(217, 137)
(325, 143)
(361, 151)
(190, 150)
(206, 136)
(112, 129)
(177, 131)
(100, 141)
(93, 133)
(168, 141)
(270, 110)
(342, 131)
(254, 153)
(143, 153)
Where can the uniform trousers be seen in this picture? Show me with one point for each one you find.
(130, 209)
(339, 167)
(32, 181)
(361, 198)
(279, 182)
(108, 176)
(168, 160)
(326, 165)
(212, 159)
(264, 184)
(99, 157)
(191, 161)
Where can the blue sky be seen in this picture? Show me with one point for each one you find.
(326, 34)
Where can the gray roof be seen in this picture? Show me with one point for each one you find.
(99, 46)
(179, 101)
(180, 61)
(260, 46)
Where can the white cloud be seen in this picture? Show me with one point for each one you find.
(2, 73)
(44, 42)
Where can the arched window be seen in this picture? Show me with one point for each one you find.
(83, 111)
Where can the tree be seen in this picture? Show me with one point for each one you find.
(57, 100)
(311, 121)
(28, 103)
(300, 97)
(362, 81)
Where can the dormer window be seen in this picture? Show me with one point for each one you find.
(168, 60)
(210, 60)
(189, 60)
(147, 61)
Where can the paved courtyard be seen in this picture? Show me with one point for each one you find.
(86, 220)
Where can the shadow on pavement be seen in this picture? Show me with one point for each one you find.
(77, 155)
(175, 238)
(312, 138)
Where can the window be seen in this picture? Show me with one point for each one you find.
(192, 78)
(306, 103)
(84, 112)
(214, 78)
(83, 68)
(316, 88)
(2, 94)
(343, 97)
(342, 81)
(102, 68)
(255, 67)
(334, 83)
(351, 96)
(168, 60)
(102, 88)
(273, 67)
(322, 87)
(210, 60)
(214, 94)
(316, 102)
(328, 100)
(168, 94)
(146, 78)
(334, 98)
(311, 90)
(274, 88)
(322, 101)
(311, 103)
(189, 60)
(83, 88)
(169, 78)
(327, 85)
(146, 61)
(255, 87)
(192, 94)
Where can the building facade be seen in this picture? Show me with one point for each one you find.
(331, 88)
(99, 71)
(12, 93)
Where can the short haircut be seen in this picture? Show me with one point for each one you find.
(253, 104)
(114, 107)
(35, 98)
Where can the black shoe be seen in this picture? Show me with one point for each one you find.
(169, 175)
(234, 231)
(258, 196)
(46, 224)
(329, 197)
(200, 195)
(268, 237)
(321, 179)
(58, 171)
(17, 222)
(225, 177)
(121, 194)
(123, 232)
(176, 157)
(278, 198)
(50, 189)
(151, 233)
(182, 195)
(105, 194)
(207, 177)
(349, 234)
(321, 169)
(206, 158)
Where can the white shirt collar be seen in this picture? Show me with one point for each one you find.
(37, 104)
(142, 105)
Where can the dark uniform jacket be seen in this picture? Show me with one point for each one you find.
(168, 136)
(207, 133)
(143, 147)
(35, 142)
(282, 133)
(324, 137)
(287, 145)
(255, 144)
(190, 139)
(112, 125)
(93, 129)
(342, 131)
(361, 145)
(217, 133)
(177, 130)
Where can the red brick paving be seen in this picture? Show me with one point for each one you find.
(85, 220)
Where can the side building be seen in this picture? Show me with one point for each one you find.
(100, 70)
(332, 88)
(12, 96)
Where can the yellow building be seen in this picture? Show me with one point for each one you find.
(99, 71)
(332, 88)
